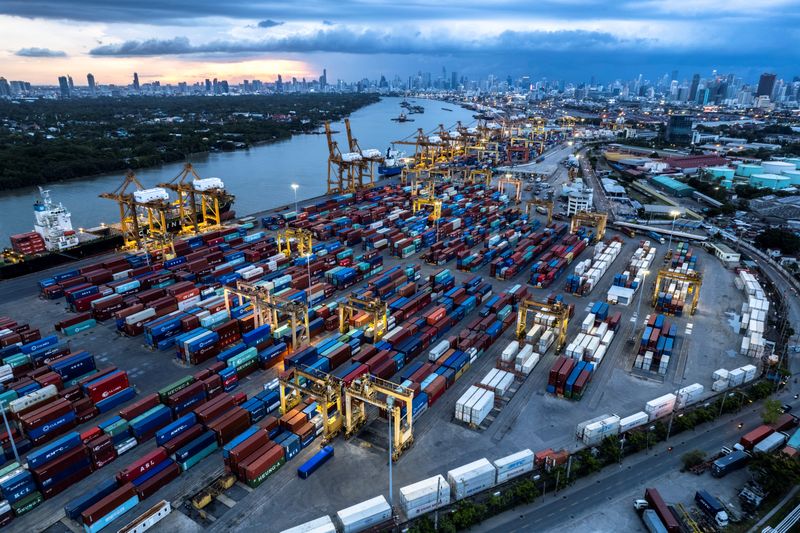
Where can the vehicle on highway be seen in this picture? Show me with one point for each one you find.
(786, 408)
(640, 504)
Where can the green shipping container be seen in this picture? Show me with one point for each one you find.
(247, 364)
(116, 428)
(6, 397)
(144, 415)
(172, 388)
(239, 359)
(74, 381)
(199, 456)
(80, 326)
(17, 360)
(271, 470)
(28, 503)
(10, 468)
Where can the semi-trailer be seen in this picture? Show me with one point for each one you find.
(712, 507)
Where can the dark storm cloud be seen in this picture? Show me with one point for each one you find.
(269, 23)
(39, 52)
(368, 41)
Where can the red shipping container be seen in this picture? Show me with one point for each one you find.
(107, 504)
(107, 386)
(152, 485)
(144, 464)
(140, 407)
(183, 439)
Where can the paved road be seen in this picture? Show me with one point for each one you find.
(551, 511)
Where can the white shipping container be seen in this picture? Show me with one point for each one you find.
(323, 524)
(735, 377)
(424, 496)
(530, 363)
(364, 515)
(534, 334)
(33, 398)
(510, 351)
(546, 341)
(632, 421)
(513, 465)
(463, 400)
(438, 350)
(471, 478)
(481, 408)
(689, 395)
(720, 374)
(720, 385)
(504, 383)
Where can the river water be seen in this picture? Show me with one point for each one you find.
(260, 177)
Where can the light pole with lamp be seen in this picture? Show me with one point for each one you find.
(649, 430)
(642, 289)
(675, 215)
(390, 405)
(294, 188)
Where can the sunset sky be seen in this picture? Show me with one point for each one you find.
(188, 40)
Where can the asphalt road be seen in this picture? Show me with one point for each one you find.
(551, 511)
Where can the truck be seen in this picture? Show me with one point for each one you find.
(733, 461)
(652, 522)
(657, 504)
(770, 443)
(749, 440)
(656, 237)
(712, 507)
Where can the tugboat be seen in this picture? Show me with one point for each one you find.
(403, 118)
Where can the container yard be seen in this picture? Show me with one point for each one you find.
(133, 379)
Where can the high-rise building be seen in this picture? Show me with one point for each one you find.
(279, 84)
(453, 80)
(71, 83)
(674, 75)
(90, 82)
(323, 80)
(765, 85)
(208, 85)
(5, 89)
(63, 84)
(693, 88)
(679, 129)
(136, 81)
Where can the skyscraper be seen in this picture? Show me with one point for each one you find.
(765, 85)
(323, 80)
(453, 80)
(279, 84)
(5, 88)
(63, 84)
(674, 75)
(90, 81)
(693, 87)
(70, 82)
(136, 81)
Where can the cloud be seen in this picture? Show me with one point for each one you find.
(327, 23)
(391, 41)
(39, 52)
(269, 23)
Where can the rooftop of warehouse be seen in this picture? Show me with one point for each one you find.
(696, 161)
(672, 183)
(663, 209)
(722, 247)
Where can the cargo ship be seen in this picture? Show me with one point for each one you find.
(392, 165)
(54, 242)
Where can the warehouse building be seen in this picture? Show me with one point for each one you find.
(672, 186)
(724, 253)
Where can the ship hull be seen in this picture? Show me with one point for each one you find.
(389, 171)
(41, 262)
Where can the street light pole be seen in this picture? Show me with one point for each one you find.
(675, 215)
(641, 292)
(390, 404)
(294, 188)
(8, 432)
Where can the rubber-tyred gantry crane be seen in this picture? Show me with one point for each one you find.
(557, 312)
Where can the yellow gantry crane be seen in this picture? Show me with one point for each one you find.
(142, 221)
(370, 158)
(267, 309)
(694, 279)
(419, 202)
(598, 220)
(480, 175)
(427, 151)
(376, 308)
(508, 179)
(345, 170)
(302, 239)
(323, 388)
(211, 195)
(370, 390)
(556, 311)
(547, 204)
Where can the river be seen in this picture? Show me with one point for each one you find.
(260, 177)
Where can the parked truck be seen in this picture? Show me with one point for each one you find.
(733, 461)
(652, 522)
(657, 504)
(712, 507)
(770, 443)
(752, 438)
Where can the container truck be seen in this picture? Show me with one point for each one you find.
(712, 507)
(752, 438)
(733, 461)
(656, 236)
(652, 522)
(657, 504)
(770, 443)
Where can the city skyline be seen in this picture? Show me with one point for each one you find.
(186, 41)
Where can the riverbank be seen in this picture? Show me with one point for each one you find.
(47, 142)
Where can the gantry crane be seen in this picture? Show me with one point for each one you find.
(539, 133)
(135, 232)
(370, 158)
(345, 170)
(508, 179)
(371, 390)
(547, 204)
(557, 311)
(426, 150)
(267, 308)
(418, 202)
(480, 175)
(694, 279)
(598, 220)
(376, 308)
(302, 241)
(323, 388)
(189, 186)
